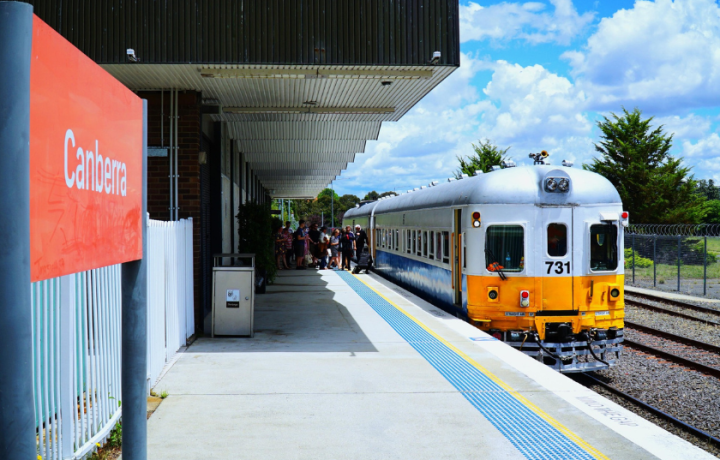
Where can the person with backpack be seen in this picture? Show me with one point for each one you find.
(347, 246)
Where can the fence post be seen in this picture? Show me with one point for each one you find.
(68, 402)
(17, 409)
(654, 260)
(705, 268)
(633, 256)
(134, 336)
(678, 262)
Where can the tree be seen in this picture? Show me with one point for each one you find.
(485, 157)
(372, 196)
(654, 186)
(713, 212)
(348, 201)
(384, 194)
(708, 189)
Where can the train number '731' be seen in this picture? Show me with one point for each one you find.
(559, 268)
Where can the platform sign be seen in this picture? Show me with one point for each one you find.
(85, 162)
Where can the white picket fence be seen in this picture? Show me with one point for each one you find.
(77, 341)
(170, 316)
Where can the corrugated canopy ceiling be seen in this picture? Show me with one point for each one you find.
(297, 126)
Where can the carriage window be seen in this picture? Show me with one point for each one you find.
(413, 240)
(419, 242)
(557, 240)
(603, 247)
(431, 244)
(397, 240)
(438, 245)
(504, 244)
(425, 244)
(446, 247)
(408, 241)
(390, 239)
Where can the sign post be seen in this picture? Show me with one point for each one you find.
(72, 198)
(134, 336)
(17, 416)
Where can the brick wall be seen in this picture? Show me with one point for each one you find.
(189, 134)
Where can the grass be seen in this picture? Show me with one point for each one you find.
(669, 272)
(713, 245)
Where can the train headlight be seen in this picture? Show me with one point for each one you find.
(551, 185)
(615, 293)
(563, 185)
(493, 294)
(476, 223)
(524, 298)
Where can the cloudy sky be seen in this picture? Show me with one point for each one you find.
(539, 75)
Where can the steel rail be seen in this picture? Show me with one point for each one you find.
(635, 303)
(714, 371)
(702, 435)
(677, 303)
(676, 338)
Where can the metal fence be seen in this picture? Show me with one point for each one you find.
(77, 334)
(682, 258)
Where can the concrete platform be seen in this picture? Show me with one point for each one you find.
(345, 367)
(669, 295)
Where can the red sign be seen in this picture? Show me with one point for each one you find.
(85, 162)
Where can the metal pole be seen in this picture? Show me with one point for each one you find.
(17, 412)
(705, 268)
(171, 152)
(134, 337)
(678, 262)
(177, 153)
(654, 260)
(633, 256)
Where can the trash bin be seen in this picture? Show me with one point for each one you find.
(233, 295)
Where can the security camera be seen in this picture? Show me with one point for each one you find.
(435, 58)
(131, 55)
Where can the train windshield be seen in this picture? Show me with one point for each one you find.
(504, 245)
(603, 247)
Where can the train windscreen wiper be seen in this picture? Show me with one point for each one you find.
(496, 265)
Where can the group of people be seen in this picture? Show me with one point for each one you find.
(320, 248)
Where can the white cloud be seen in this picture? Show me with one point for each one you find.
(690, 127)
(705, 148)
(527, 108)
(532, 103)
(525, 21)
(658, 55)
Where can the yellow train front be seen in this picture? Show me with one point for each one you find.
(531, 255)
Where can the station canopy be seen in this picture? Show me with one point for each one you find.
(299, 126)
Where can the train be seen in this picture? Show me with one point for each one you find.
(532, 255)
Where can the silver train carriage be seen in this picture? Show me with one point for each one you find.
(532, 255)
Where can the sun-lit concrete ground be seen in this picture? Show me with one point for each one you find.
(325, 377)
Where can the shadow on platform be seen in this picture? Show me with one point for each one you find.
(299, 313)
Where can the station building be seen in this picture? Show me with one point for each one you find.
(258, 99)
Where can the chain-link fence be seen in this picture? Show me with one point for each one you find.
(682, 258)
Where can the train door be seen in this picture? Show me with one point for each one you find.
(457, 256)
(557, 259)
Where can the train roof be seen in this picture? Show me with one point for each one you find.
(518, 185)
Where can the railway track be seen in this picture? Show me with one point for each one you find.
(641, 301)
(701, 356)
(589, 380)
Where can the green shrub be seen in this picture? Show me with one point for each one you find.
(256, 236)
(640, 261)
